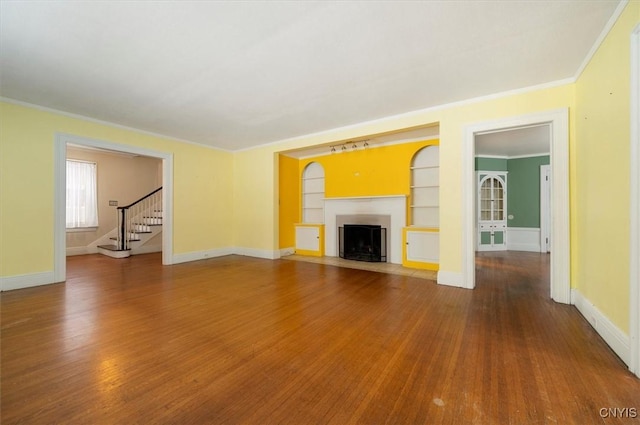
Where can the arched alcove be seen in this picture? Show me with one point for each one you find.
(425, 187)
(313, 193)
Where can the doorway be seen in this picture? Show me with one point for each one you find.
(556, 122)
(60, 147)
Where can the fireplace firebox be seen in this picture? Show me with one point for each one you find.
(363, 242)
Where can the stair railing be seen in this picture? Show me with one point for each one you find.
(137, 217)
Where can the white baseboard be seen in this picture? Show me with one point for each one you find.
(287, 251)
(84, 250)
(200, 255)
(146, 249)
(523, 247)
(612, 335)
(8, 283)
(76, 250)
(523, 239)
(451, 279)
(258, 253)
(81, 250)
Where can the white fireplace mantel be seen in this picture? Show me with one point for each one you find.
(394, 206)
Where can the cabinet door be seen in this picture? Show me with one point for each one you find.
(500, 236)
(484, 236)
(421, 249)
(310, 240)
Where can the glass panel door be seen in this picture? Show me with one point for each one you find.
(492, 207)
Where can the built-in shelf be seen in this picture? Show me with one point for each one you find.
(421, 239)
(313, 193)
(425, 187)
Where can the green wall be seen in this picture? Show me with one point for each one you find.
(523, 187)
(491, 164)
(523, 184)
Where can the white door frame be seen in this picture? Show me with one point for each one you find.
(558, 121)
(545, 208)
(634, 249)
(60, 184)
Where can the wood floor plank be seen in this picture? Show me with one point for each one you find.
(238, 340)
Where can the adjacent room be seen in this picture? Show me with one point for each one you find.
(320, 212)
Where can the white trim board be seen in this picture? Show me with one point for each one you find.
(80, 250)
(450, 279)
(612, 335)
(523, 239)
(187, 257)
(558, 121)
(257, 253)
(605, 31)
(532, 155)
(634, 209)
(9, 283)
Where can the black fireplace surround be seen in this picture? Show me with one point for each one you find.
(363, 242)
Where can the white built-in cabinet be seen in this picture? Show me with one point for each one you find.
(492, 210)
(310, 239)
(422, 246)
(422, 237)
(310, 233)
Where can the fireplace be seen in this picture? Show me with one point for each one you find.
(387, 211)
(363, 242)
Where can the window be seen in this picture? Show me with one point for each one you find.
(82, 195)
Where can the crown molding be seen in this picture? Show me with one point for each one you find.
(106, 123)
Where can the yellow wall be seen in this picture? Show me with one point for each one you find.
(203, 187)
(255, 204)
(375, 171)
(601, 248)
(368, 172)
(289, 195)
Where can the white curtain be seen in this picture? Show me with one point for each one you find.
(82, 194)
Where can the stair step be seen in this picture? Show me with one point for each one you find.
(130, 240)
(113, 251)
(112, 248)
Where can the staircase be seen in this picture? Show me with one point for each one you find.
(137, 223)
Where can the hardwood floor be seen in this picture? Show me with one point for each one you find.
(238, 340)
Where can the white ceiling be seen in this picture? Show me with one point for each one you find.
(518, 142)
(240, 74)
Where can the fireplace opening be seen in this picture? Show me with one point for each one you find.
(363, 242)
